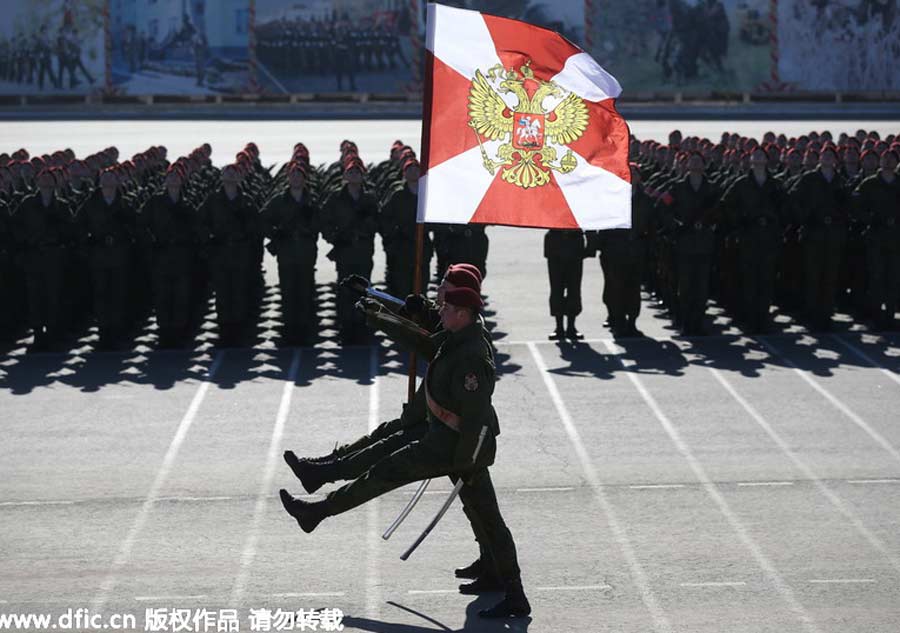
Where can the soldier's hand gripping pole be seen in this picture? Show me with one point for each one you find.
(405, 513)
(453, 494)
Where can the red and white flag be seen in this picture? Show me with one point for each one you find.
(520, 128)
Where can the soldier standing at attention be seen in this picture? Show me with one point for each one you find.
(397, 225)
(692, 218)
(291, 222)
(230, 223)
(877, 206)
(453, 435)
(819, 202)
(349, 223)
(565, 250)
(43, 228)
(108, 224)
(169, 223)
(752, 206)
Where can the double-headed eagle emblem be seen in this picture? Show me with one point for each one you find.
(527, 159)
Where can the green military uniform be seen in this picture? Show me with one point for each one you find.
(877, 208)
(397, 225)
(693, 218)
(753, 210)
(109, 229)
(293, 229)
(625, 251)
(171, 228)
(564, 251)
(349, 224)
(44, 234)
(233, 229)
(820, 210)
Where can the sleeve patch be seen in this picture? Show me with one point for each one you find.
(471, 382)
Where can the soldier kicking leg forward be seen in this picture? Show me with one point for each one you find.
(460, 378)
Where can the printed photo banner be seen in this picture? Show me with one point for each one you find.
(52, 47)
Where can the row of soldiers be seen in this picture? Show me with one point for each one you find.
(30, 59)
(807, 224)
(98, 240)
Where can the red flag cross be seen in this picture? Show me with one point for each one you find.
(519, 128)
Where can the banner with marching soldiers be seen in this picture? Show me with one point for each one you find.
(50, 47)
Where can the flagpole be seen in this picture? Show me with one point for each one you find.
(423, 151)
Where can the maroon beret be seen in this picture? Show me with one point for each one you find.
(463, 278)
(464, 298)
(472, 268)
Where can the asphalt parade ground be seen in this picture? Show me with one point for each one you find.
(661, 484)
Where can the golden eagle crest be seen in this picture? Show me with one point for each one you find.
(526, 159)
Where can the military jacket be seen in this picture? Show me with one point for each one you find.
(876, 204)
(754, 211)
(37, 226)
(460, 380)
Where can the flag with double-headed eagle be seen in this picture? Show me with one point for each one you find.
(519, 128)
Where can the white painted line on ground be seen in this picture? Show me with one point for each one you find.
(808, 472)
(787, 594)
(162, 474)
(843, 408)
(737, 583)
(9, 504)
(265, 487)
(190, 499)
(323, 594)
(373, 529)
(844, 581)
(873, 481)
(562, 489)
(576, 588)
(425, 592)
(861, 354)
(655, 486)
(169, 598)
(660, 621)
(763, 484)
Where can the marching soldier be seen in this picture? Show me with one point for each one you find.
(449, 429)
(291, 222)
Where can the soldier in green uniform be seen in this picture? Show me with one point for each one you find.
(877, 208)
(349, 221)
(752, 208)
(169, 223)
(819, 201)
(397, 225)
(44, 230)
(291, 222)
(108, 226)
(626, 252)
(451, 432)
(230, 223)
(692, 218)
(565, 251)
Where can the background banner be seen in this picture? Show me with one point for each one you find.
(683, 46)
(839, 45)
(180, 47)
(52, 47)
(336, 46)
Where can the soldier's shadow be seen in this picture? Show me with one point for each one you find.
(472, 623)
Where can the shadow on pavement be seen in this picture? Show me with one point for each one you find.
(472, 623)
